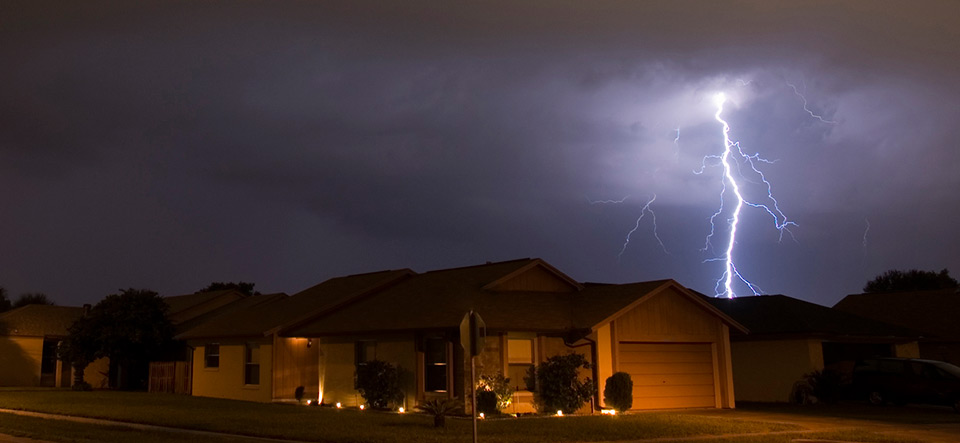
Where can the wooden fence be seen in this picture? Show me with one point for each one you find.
(170, 377)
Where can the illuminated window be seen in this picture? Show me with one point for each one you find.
(251, 364)
(435, 365)
(519, 361)
(211, 355)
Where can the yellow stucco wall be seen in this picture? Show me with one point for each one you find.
(337, 367)
(20, 360)
(766, 370)
(227, 381)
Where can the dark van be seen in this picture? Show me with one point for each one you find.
(906, 380)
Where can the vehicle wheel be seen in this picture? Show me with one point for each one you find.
(876, 398)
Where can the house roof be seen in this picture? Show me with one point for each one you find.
(934, 313)
(39, 320)
(439, 299)
(259, 315)
(779, 315)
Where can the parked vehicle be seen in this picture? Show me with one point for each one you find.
(906, 380)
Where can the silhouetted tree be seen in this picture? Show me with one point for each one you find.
(32, 298)
(912, 280)
(80, 348)
(128, 328)
(244, 287)
(5, 304)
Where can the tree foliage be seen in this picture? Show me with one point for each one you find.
(32, 298)
(557, 385)
(129, 327)
(379, 384)
(5, 304)
(913, 280)
(244, 287)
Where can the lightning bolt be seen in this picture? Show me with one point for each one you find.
(602, 202)
(805, 108)
(865, 231)
(732, 156)
(644, 211)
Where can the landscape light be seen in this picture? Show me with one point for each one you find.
(361, 407)
(309, 402)
(482, 416)
(401, 410)
(559, 413)
(608, 411)
(339, 405)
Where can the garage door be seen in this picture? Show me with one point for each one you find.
(669, 375)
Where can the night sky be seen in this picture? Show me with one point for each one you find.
(165, 145)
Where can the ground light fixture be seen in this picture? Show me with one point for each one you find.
(361, 407)
(401, 410)
(339, 405)
(559, 413)
(608, 411)
(482, 416)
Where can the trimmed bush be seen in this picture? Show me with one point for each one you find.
(618, 391)
(379, 384)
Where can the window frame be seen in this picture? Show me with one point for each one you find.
(248, 364)
(208, 354)
(428, 364)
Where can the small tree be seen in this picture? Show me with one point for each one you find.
(5, 304)
(379, 384)
(557, 384)
(618, 391)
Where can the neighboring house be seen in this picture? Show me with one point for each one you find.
(674, 344)
(933, 313)
(173, 373)
(29, 337)
(238, 354)
(789, 338)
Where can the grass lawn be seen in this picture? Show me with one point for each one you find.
(326, 424)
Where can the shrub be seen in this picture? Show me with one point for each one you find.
(81, 386)
(558, 385)
(298, 394)
(439, 408)
(817, 387)
(618, 391)
(494, 393)
(379, 384)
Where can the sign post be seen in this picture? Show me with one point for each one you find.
(473, 332)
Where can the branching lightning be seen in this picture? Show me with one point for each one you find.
(732, 160)
(644, 211)
(805, 108)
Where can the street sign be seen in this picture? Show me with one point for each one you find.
(473, 332)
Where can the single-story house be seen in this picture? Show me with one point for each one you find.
(29, 337)
(789, 338)
(933, 313)
(674, 344)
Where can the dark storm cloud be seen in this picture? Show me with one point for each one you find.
(169, 144)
